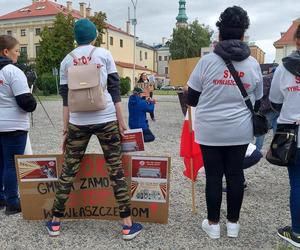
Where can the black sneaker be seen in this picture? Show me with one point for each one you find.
(12, 209)
(2, 204)
(286, 233)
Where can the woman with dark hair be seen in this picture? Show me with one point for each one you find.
(223, 123)
(16, 103)
(285, 98)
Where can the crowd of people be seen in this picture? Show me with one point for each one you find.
(223, 122)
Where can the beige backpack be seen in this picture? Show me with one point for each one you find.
(85, 90)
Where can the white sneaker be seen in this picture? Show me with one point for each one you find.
(213, 231)
(233, 229)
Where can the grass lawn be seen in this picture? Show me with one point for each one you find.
(49, 97)
(165, 92)
(58, 97)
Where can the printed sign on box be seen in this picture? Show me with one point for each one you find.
(37, 169)
(149, 179)
(91, 194)
(133, 140)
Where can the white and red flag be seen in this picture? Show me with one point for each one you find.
(189, 149)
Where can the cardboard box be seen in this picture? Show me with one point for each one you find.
(91, 195)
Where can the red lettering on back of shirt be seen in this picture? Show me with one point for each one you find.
(297, 79)
(226, 73)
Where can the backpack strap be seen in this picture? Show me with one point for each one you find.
(92, 52)
(90, 55)
(74, 57)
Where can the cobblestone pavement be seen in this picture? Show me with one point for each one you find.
(264, 209)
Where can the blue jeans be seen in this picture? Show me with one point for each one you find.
(9, 147)
(148, 136)
(251, 160)
(272, 122)
(294, 175)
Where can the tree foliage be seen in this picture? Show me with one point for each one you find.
(124, 85)
(99, 20)
(187, 42)
(55, 43)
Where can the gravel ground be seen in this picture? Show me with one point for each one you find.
(264, 209)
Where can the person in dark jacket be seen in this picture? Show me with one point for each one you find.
(285, 98)
(148, 89)
(16, 104)
(265, 109)
(138, 108)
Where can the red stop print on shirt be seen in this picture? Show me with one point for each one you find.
(297, 79)
(1, 82)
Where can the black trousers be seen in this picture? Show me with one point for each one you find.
(228, 161)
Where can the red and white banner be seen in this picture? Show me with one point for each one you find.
(189, 149)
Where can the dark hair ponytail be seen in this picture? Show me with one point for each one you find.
(7, 42)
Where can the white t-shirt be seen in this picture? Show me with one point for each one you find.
(285, 89)
(13, 82)
(222, 117)
(107, 66)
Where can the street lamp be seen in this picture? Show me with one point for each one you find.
(134, 22)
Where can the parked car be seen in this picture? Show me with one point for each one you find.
(167, 87)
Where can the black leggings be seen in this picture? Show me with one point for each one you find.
(220, 160)
(151, 113)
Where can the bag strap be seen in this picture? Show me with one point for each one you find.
(92, 52)
(90, 55)
(239, 83)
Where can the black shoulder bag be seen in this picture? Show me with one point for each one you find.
(260, 122)
(283, 149)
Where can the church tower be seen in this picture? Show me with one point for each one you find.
(182, 17)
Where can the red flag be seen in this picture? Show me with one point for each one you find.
(189, 149)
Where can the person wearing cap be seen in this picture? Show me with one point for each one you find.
(138, 109)
(78, 127)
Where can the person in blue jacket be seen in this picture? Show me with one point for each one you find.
(138, 107)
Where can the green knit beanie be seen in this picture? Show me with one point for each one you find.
(85, 31)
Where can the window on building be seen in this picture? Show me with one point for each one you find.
(23, 50)
(146, 55)
(37, 49)
(166, 58)
(9, 32)
(23, 32)
(159, 58)
(141, 55)
(111, 40)
(166, 70)
(37, 31)
(121, 43)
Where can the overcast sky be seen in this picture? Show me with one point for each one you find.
(156, 18)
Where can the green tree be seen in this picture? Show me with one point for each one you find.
(99, 20)
(124, 85)
(55, 43)
(187, 41)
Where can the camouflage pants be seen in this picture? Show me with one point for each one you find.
(78, 138)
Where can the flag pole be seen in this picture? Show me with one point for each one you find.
(192, 162)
